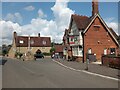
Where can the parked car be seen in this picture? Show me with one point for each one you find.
(38, 54)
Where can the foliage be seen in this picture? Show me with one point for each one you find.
(18, 55)
(5, 49)
(52, 50)
(46, 54)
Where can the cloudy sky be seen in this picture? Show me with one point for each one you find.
(49, 18)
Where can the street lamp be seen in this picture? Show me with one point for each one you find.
(87, 61)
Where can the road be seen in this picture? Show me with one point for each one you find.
(45, 73)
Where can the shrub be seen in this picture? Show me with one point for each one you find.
(18, 55)
(46, 54)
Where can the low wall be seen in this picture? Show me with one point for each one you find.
(111, 61)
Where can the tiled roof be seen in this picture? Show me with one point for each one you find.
(81, 21)
(22, 41)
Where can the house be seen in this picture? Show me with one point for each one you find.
(59, 49)
(67, 51)
(23, 44)
(91, 36)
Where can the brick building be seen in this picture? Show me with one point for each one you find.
(91, 35)
(23, 44)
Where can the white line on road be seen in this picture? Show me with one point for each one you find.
(116, 79)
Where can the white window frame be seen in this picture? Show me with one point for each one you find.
(21, 41)
(105, 51)
(89, 51)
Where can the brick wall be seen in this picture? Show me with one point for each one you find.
(98, 39)
(111, 61)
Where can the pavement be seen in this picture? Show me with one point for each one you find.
(95, 68)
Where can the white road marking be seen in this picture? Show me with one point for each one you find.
(116, 79)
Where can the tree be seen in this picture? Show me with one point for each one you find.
(5, 49)
(52, 50)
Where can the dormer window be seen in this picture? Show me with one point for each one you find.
(21, 41)
(31, 42)
(44, 42)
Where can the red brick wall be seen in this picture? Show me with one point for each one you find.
(111, 61)
(92, 36)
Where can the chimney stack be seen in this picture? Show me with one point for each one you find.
(15, 34)
(95, 7)
(38, 34)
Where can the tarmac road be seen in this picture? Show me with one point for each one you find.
(44, 73)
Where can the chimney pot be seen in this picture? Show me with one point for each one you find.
(38, 34)
(15, 34)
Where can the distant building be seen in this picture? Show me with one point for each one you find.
(23, 44)
(59, 50)
(90, 35)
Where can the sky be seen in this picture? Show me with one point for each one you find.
(49, 18)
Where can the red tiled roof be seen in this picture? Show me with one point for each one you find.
(81, 21)
(34, 41)
(58, 48)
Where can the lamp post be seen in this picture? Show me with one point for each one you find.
(87, 62)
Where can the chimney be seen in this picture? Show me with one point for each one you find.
(15, 34)
(95, 7)
(38, 34)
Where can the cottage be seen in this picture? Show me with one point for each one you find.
(91, 35)
(23, 44)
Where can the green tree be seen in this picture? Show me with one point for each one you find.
(52, 50)
(5, 49)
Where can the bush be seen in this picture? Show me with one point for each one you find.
(46, 54)
(18, 55)
(52, 50)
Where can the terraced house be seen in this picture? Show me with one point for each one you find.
(90, 35)
(23, 44)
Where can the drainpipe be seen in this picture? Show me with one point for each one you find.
(83, 45)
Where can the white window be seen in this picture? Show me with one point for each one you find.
(105, 51)
(89, 51)
(76, 51)
(21, 41)
(44, 42)
(80, 52)
(32, 42)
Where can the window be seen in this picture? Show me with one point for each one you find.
(112, 50)
(32, 42)
(44, 42)
(89, 51)
(21, 41)
(105, 51)
(76, 51)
